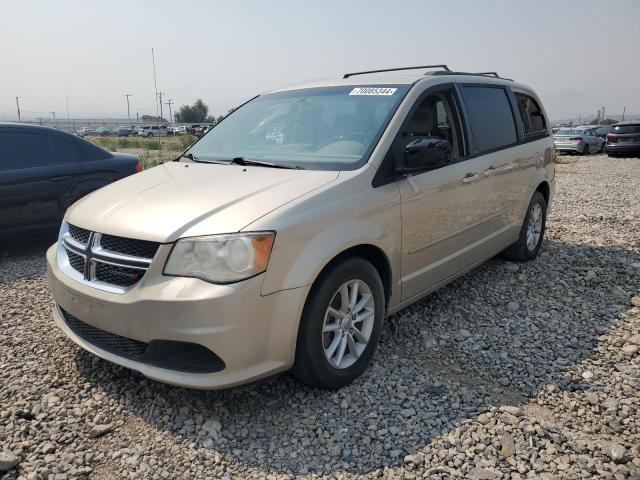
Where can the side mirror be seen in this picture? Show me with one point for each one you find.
(425, 154)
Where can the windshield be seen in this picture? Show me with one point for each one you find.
(569, 131)
(328, 128)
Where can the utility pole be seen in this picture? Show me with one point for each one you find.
(18, 105)
(68, 121)
(624, 110)
(169, 102)
(54, 115)
(155, 82)
(160, 95)
(128, 111)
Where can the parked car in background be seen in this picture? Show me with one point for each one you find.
(173, 131)
(257, 252)
(134, 130)
(602, 131)
(44, 170)
(623, 139)
(152, 131)
(183, 130)
(123, 131)
(578, 140)
(102, 132)
(85, 132)
(192, 128)
(200, 130)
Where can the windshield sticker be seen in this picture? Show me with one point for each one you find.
(373, 91)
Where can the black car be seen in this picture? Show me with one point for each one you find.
(623, 139)
(44, 170)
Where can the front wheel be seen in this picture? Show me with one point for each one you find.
(341, 325)
(532, 232)
(602, 147)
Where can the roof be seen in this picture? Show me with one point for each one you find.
(403, 77)
(29, 126)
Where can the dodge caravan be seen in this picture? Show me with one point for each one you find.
(285, 235)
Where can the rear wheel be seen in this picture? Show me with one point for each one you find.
(340, 325)
(585, 150)
(532, 232)
(602, 147)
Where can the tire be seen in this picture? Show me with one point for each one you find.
(602, 147)
(585, 150)
(321, 331)
(522, 250)
(149, 135)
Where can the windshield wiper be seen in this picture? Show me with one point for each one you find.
(193, 158)
(246, 161)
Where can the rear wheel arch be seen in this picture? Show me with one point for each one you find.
(545, 190)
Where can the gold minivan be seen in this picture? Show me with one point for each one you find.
(285, 235)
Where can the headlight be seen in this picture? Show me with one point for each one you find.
(221, 258)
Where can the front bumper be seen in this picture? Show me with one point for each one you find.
(253, 335)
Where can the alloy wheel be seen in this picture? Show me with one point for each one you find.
(534, 227)
(348, 323)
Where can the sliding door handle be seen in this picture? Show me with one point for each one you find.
(471, 177)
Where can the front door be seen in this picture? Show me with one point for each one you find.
(442, 210)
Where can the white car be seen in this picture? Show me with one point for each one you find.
(152, 131)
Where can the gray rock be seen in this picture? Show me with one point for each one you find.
(592, 398)
(99, 430)
(630, 349)
(7, 461)
(507, 446)
(616, 452)
(511, 267)
(479, 473)
(513, 306)
(428, 340)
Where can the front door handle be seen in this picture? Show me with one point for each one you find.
(470, 177)
(60, 178)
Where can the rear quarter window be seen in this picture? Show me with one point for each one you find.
(33, 149)
(491, 118)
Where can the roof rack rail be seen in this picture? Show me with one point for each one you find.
(444, 67)
(478, 74)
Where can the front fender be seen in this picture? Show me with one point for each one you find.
(323, 247)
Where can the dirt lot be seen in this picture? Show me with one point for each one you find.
(513, 371)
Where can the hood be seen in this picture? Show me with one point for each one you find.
(177, 200)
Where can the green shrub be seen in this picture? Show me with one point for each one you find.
(186, 140)
(153, 145)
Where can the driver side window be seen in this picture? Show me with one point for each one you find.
(435, 118)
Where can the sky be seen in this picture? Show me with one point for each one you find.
(578, 55)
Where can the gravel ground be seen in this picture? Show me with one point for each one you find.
(513, 371)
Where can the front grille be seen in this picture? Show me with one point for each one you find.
(76, 261)
(168, 354)
(129, 246)
(117, 275)
(79, 234)
(106, 262)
